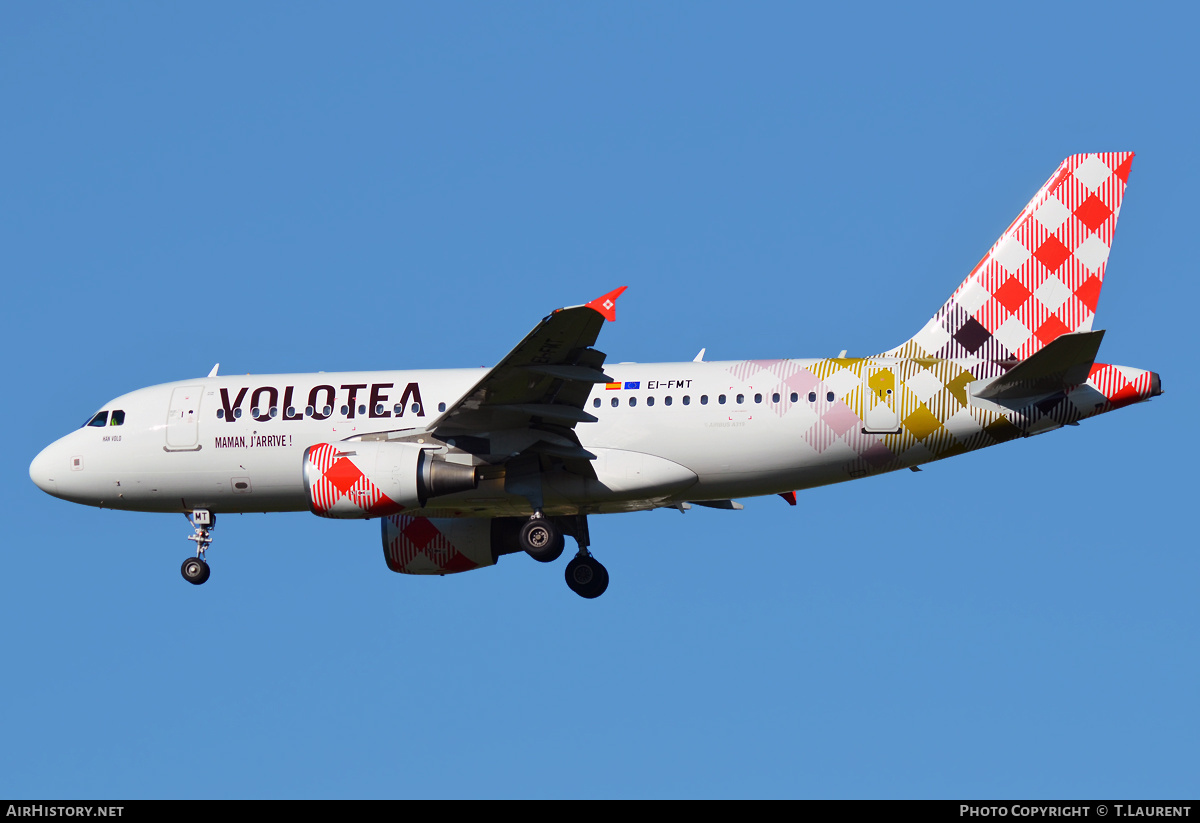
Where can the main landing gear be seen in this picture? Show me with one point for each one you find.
(586, 576)
(542, 539)
(195, 570)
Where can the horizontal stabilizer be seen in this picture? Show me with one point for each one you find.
(1064, 362)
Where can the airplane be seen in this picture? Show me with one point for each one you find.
(465, 466)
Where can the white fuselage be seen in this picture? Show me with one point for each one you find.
(688, 431)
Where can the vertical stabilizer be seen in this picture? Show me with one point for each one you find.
(1042, 278)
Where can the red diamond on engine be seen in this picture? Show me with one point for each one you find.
(1012, 295)
(1092, 212)
(1052, 253)
(420, 532)
(459, 563)
(343, 474)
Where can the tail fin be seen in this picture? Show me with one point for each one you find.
(1042, 278)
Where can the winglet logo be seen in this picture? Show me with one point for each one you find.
(606, 304)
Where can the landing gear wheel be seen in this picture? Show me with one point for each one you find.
(542, 540)
(587, 577)
(194, 570)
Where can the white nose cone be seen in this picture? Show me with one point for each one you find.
(44, 468)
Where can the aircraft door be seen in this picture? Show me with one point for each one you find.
(881, 401)
(183, 418)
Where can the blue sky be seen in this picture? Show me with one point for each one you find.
(293, 187)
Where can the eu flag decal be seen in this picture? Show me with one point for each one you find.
(636, 384)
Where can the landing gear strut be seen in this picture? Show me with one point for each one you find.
(541, 537)
(586, 576)
(195, 570)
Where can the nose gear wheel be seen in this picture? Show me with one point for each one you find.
(195, 570)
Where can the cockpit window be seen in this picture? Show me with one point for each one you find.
(118, 418)
(99, 420)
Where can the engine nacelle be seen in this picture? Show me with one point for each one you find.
(365, 479)
(440, 545)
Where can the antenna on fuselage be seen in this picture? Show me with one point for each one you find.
(213, 373)
(699, 358)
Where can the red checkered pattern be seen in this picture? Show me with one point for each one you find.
(1042, 278)
(1121, 385)
(338, 487)
(415, 545)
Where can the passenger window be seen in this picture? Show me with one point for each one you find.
(274, 410)
(812, 397)
(775, 397)
(118, 418)
(687, 400)
(254, 412)
(345, 411)
(758, 398)
(741, 398)
(397, 409)
(649, 401)
(362, 408)
(704, 400)
(99, 420)
(237, 414)
(795, 397)
(220, 414)
(830, 397)
(309, 411)
(442, 406)
(667, 400)
(615, 401)
(379, 408)
(291, 412)
(633, 401)
(721, 399)
(596, 402)
(416, 408)
(328, 410)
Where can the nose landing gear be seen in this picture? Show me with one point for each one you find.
(195, 570)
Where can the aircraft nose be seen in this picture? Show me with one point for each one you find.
(44, 468)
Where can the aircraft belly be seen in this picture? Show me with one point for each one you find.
(623, 475)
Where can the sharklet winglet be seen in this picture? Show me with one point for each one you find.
(606, 304)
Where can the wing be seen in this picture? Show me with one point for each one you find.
(531, 401)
